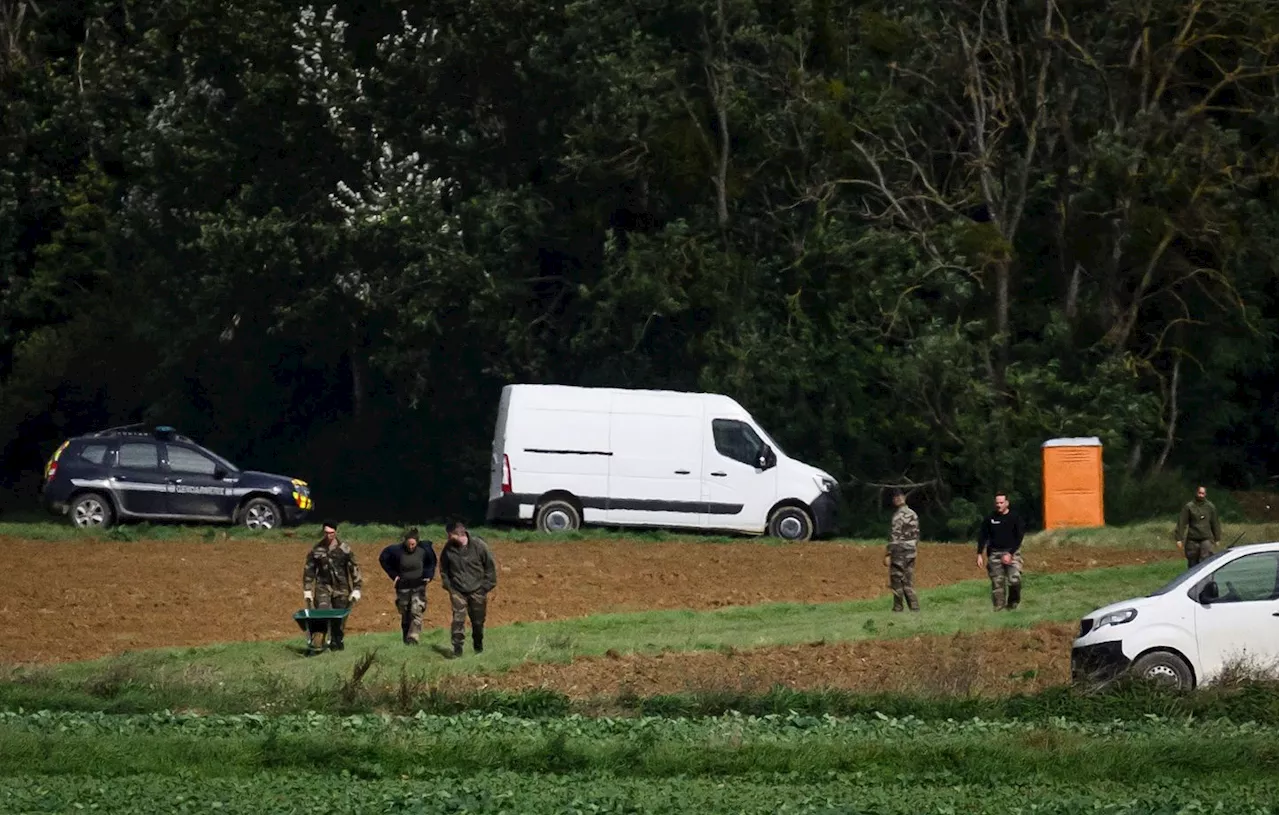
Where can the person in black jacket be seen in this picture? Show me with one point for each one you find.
(999, 539)
(410, 564)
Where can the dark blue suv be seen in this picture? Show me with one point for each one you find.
(129, 473)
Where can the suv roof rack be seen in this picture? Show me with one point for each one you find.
(162, 432)
(121, 429)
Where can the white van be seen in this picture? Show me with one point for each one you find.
(1225, 610)
(566, 456)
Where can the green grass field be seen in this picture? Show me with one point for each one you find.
(377, 729)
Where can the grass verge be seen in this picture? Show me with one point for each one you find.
(1147, 535)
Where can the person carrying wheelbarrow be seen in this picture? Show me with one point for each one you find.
(999, 539)
(330, 579)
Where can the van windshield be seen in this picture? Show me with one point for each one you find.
(769, 440)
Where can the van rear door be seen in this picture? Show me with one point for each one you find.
(497, 463)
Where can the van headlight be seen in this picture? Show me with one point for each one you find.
(1124, 615)
(824, 484)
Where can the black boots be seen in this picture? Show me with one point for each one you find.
(477, 641)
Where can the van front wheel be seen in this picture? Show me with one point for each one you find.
(558, 516)
(791, 523)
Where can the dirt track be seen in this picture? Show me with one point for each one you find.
(79, 600)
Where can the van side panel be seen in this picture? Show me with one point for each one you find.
(654, 473)
(561, 450)
(556, 440)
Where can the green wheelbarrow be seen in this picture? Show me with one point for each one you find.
(316, 625)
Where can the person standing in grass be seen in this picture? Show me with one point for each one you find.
(411, 564)
(900, 557)
(468, 574)
(330, 579)
(999, 539)
(1198, 528)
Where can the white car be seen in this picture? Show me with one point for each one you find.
(1224, 611)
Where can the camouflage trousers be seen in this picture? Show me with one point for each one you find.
(331, 597)
(1196, 551)
(1005, 577)
(471, 605)
(412, 604)
(902, 576)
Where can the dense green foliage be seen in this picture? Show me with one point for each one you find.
(591, 794)
(493, 763)
(915, 239)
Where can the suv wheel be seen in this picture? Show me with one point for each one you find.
(260, 513)
(90, 511)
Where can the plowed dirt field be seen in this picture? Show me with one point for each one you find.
(79, 600)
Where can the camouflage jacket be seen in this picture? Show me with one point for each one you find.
(335, 568)
(904, 529)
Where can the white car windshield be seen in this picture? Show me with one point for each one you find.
(1190, 575)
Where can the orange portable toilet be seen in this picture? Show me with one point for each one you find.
(1072, 482)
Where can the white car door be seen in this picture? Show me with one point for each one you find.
(1242, 623)
(737, 490)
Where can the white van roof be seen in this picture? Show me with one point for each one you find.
(554, 395)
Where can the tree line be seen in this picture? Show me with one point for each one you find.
(915, 239)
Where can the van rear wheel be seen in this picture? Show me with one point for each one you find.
(558, 515)
(791, 523)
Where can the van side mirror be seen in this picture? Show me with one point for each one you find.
(767, 459)
(219, 473)
(1208, 593)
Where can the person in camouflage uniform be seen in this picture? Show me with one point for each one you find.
(1198, 528)
(330, 579)
(468, 573)
(900, 557)
(411, 564)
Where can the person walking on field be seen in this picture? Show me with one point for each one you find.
(999, 539)
(330, 579)
(468, 573)
(411, 565)
(900, 557)
(1198, 528)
